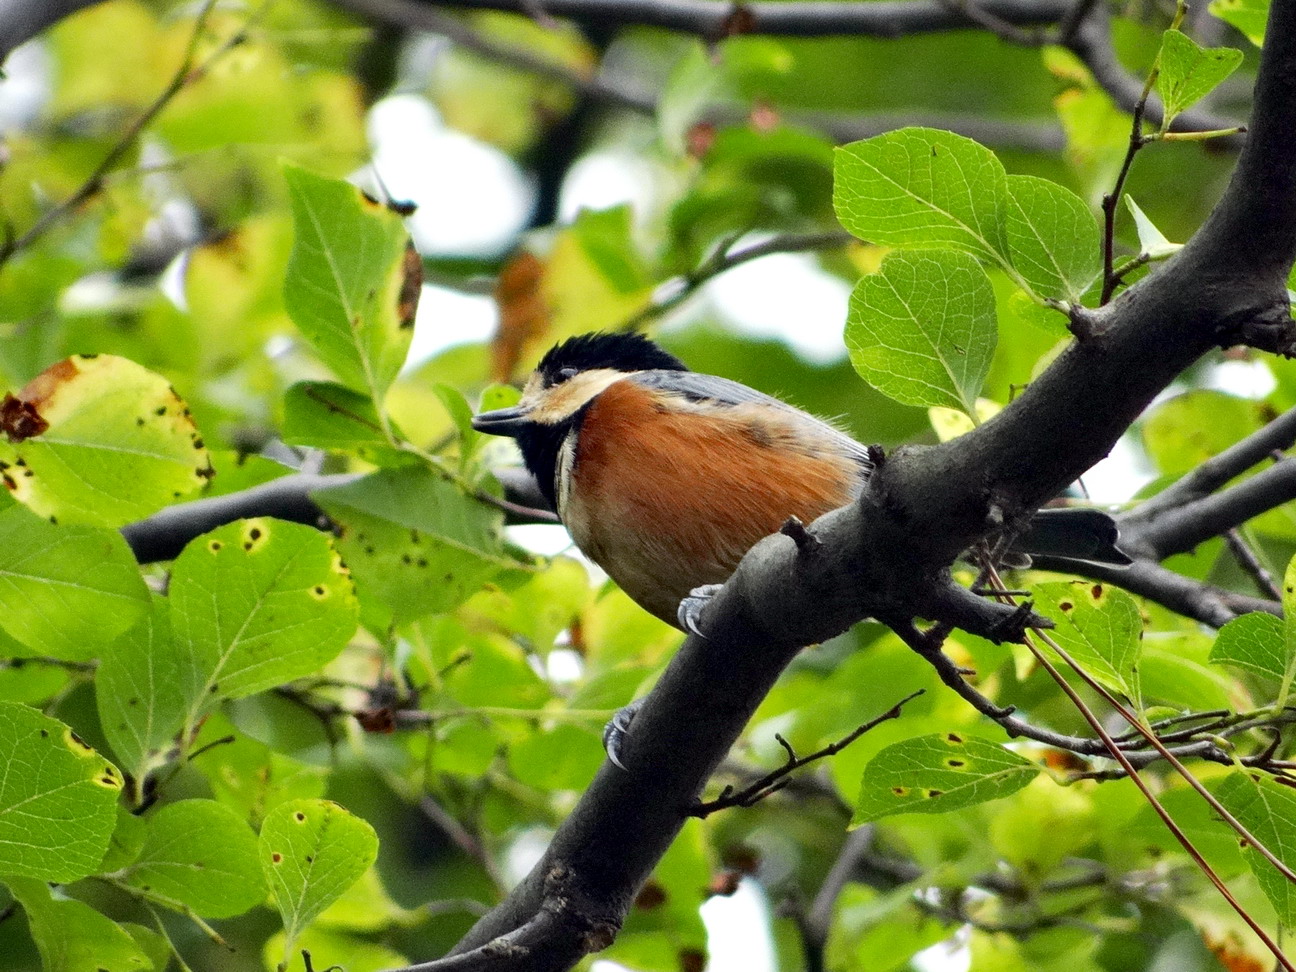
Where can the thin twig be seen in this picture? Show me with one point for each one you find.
(1111, 200)
(1025, 37)
(722, 260)
(775, 780)
(1250, 562)
(187, 74)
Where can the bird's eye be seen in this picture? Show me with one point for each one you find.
(567, 373)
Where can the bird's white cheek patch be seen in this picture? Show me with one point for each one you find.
(566, 463)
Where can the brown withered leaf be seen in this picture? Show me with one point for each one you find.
(411, 285)
(701, 136)
(523, 313)
(1231, 955)
(380, 720)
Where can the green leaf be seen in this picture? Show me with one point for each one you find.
(923, 188)
(1174, 671)
(65, 590)
(1188, 71)
(693, 83)
(248, 776)
(127, 839)
(57, 798)
(1255, 642)
(1248, 16)
(937, 774)
(350, 287)
(140, 709)
(255, 603)
(1184, 431)
(1268, 810)
(1099, 626)
(665, 922)
(201, 854)
(605, 236)
(120, 444)
(1151, 240)
(461, 413)
(345, 950)
(1053, 239)
(311, 852)
(1289, 625)
(326, 415)
(73, 937)
(922, 329)
(563, 758)
(416, 543)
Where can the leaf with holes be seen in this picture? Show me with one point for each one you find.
(1100, 627)
(416, 543)
(1267, 809)
(1053, 238)
(65, 590)
(1189, 72)
(201, 854)
(922, 329)
(116, 443)
(140, 709)
(353, 280)
(925, 189)
(254, 604)
(937, 774)
(73, 937)
(57, 798)
(311, 852)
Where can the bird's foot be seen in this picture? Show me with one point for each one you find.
(614, 732)
(690, 609)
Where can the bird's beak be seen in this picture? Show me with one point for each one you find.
(504, 421)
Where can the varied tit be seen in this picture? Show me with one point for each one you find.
(666, 477)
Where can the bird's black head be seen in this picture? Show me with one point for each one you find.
(568, 378)
(602, 349)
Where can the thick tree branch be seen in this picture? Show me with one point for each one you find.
(800, 18)
(626, 93)
(1275, 436)
(163, 535)
(1211, 605)
(1178, 530)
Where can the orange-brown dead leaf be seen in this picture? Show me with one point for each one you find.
(523, 313)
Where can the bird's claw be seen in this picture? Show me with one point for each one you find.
(690, 609)
(614, 732)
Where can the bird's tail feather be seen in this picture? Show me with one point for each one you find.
(1075, 533)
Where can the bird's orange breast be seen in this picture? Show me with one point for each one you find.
(667, 494)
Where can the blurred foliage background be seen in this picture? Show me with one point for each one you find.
(543, 206)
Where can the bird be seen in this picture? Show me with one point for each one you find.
(665, 477)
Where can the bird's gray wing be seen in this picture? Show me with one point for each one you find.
(710, 388)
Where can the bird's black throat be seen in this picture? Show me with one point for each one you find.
(540, 445)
